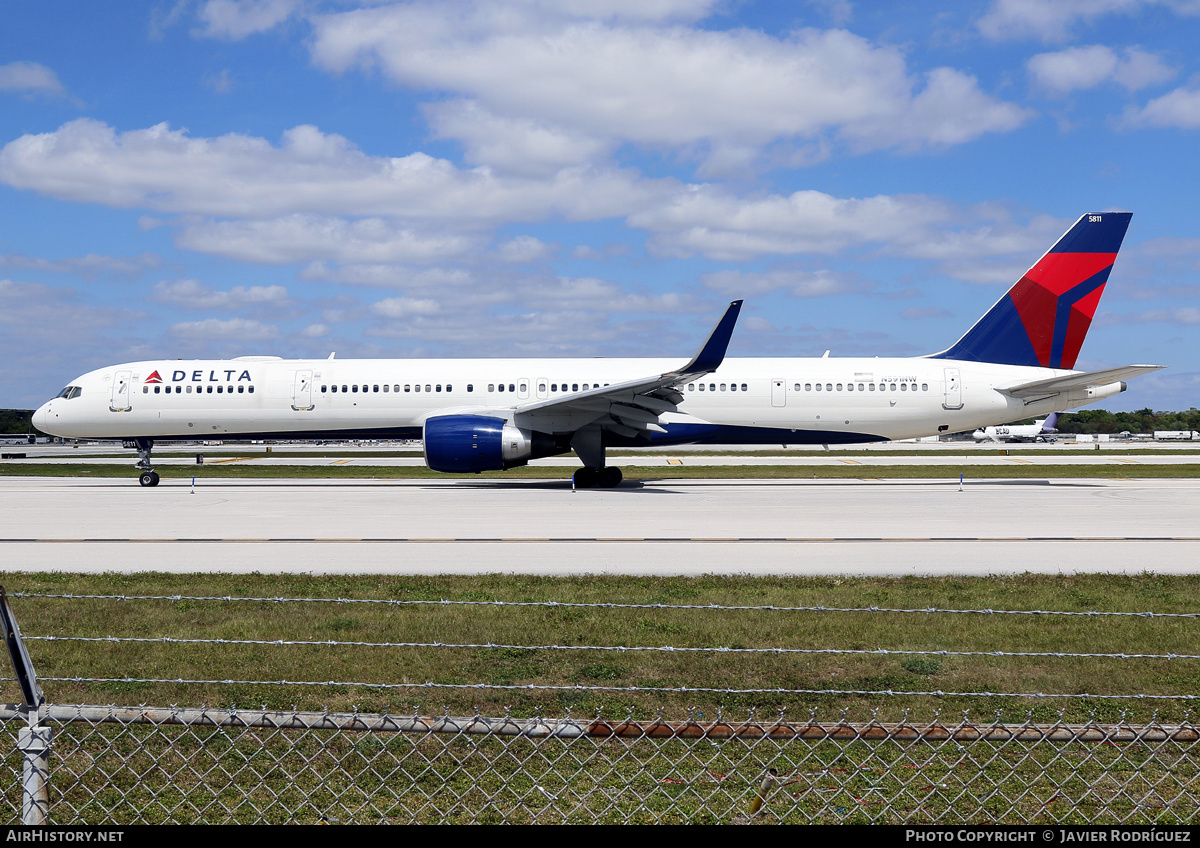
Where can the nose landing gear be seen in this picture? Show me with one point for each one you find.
(148, 477)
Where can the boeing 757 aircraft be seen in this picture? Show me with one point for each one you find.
(491, 414)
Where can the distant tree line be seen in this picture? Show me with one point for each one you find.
(16, 421)
(1142, 421)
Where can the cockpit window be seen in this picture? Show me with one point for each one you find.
(70, 392)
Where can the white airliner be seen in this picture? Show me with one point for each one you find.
(491, 414)
(1039, 431)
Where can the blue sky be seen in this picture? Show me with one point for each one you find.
(210, 178)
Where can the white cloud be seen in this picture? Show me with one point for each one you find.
(1178, 109)
(240, 176)
(233, 329)
(1048, 20)
(1086, 67)
(89, 266)
(302, 238)
(404, 307)
(236, 19)
(437, 280)
(196, 295)
(524, 249)
(315, 331)
(718, 225)
(797, 283)
(29, 78)
(561, 87)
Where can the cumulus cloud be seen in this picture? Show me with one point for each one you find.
(1086, 67)
(241, 176)
(404, 307)
(193, 294)
(29, 78)
(302, 238)
(233, 329)
(1050, 20)
(719, 225)
(795, 282)
(1178, 109)
(90, 266)
(524, 249)
(236, 19)
(567, 87)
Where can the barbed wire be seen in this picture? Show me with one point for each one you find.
(585, 605)
(611, 648)
(622, 689)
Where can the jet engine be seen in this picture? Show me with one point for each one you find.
(473, 443)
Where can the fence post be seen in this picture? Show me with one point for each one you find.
(34, 745)
(33, 741)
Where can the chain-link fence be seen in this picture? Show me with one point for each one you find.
(158, 765)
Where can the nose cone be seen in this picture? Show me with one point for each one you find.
(41, 418)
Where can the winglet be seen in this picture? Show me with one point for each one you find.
(712, 354)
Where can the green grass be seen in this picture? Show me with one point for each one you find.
(572, 626)
(632, 473)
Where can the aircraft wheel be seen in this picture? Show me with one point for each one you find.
(585, 478)
(148, 478)
(611, 477)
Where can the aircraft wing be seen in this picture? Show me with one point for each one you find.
(1078, 382)
(632, 406)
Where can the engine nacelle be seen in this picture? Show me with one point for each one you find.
(470, 443)
(1094, 393)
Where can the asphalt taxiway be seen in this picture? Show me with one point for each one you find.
(779, 527)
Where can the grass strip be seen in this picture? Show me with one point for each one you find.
(539, 626)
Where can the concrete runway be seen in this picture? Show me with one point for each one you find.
(781, 527)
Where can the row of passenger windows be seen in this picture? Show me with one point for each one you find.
(712, 387)
(200, 390)
(862, 387)
(367, 388)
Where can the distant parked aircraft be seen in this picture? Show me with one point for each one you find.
(1039, 431)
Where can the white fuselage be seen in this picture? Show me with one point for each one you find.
(781, 400)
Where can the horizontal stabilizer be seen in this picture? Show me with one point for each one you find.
(1078, 382)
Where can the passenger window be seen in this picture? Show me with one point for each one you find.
(722, 387)
(407, 387)
(427, 388)
(439, 387)
(829, 387)
(396, 388)
(208, 390)
(554, 387)
(839, 385)
(574, 387)
(470, 387)
(585, 387)
(373, 388)
(818, 387)
(541, 387)
(385, 388)
(189, 390)
(860, 387)
(417, 387)
(251, 390)
(511, 388)
(712, 387)
(893, 387)
(501, 387)
(145, 390)
(241, 390)
(691, 387)
(904, 387)
(449, 387)
(219, 388)
(701, 387)
(924, 387)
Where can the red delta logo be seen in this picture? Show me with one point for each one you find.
(154, 377)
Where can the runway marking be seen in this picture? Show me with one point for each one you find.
(1022, 461)
(850, 461)
(674, 462)
(1118, 459)
(611, 539)
(231, 459)
(342, 462)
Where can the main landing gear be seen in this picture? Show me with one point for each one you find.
(597, 478)
(148, 477)
(588, 445)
